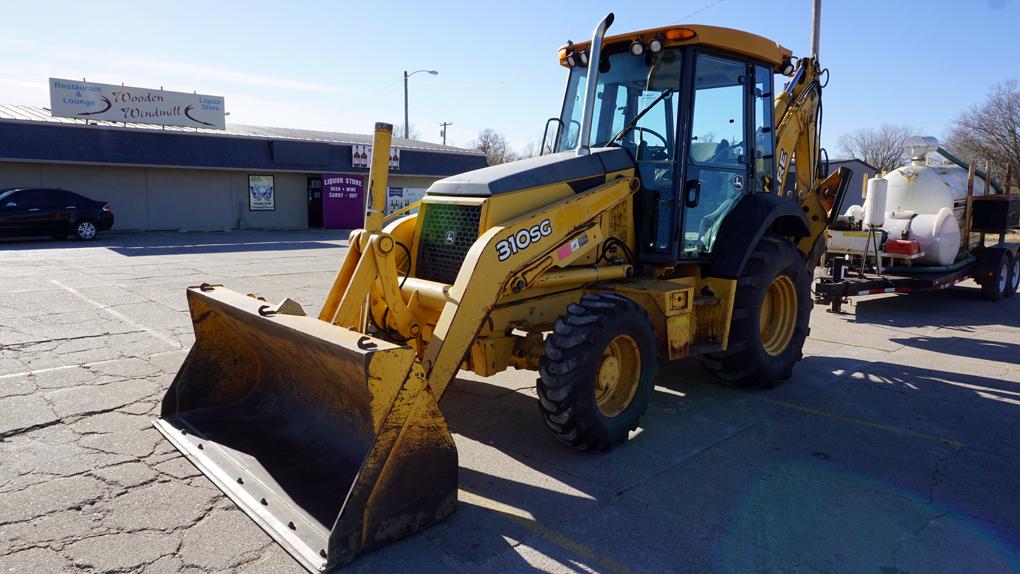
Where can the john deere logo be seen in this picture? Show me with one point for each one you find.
(451, 237)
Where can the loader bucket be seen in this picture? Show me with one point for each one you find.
(328, 439)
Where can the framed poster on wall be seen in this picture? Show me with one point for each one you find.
(261, 195)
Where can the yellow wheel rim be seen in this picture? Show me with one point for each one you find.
(618, 376)
(778, 315)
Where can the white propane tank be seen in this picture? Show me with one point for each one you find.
(937, 234)
(874, 204)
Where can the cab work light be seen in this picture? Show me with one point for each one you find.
(680, 34)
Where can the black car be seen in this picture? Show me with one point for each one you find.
(54, 212)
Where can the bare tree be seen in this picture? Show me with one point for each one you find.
(413, 133)
(991, 130)
(495, 146)
(882, 148)
(530, 150)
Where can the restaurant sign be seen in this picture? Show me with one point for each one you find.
(92, 101)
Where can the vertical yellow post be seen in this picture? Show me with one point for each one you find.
(378, 174)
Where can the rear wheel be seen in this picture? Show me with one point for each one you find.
(597, 372)
(85, 230)
(996, 286)
(771, 310)
(1014, 275)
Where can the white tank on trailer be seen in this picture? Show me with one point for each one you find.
(927, 203)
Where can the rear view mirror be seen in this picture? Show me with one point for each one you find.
(10, 204)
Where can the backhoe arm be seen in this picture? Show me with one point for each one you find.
(799, 109)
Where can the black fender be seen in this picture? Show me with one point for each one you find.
(753, 216)
(988, 258)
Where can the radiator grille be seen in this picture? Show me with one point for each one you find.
(447, 233)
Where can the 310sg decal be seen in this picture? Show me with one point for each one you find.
(523, 239)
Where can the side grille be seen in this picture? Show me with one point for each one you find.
(447, 233)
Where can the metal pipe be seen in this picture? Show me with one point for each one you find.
(377, 176)
(582, 275)
(432, 295)
(594, 56)
(816, 17)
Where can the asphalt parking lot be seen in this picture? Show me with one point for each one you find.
(894, 449)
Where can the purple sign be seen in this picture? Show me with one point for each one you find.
(343, 201)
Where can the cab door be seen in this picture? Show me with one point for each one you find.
(718, 160)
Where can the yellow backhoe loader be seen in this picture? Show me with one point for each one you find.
(653, 229)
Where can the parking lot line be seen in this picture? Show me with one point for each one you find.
(864, 423)
(526, 519)
(118, 315)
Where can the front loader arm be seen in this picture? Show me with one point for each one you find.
(569, 229)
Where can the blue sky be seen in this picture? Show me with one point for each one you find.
(338, 65)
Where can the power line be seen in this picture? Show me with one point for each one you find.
(700, 10)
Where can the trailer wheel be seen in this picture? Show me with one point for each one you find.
(1014, 275)
(770, 318)
(597, 373)
(996, 286)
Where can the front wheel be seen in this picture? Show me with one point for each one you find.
(771, 310)
(598, 370)
(85, 230)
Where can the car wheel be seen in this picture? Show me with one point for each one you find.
(85, 230)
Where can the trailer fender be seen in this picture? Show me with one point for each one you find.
(755, 215)
(985, 265)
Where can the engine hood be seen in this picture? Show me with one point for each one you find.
(534, 172)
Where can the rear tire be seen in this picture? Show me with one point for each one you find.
(771, 311)
(996, 286)
(1014, 275)
(598, 371)
(85, 230)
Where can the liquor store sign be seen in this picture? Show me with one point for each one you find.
(361, 156)
(92, 101)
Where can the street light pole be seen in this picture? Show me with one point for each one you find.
(407, 125)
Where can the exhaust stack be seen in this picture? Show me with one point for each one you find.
(584, 134)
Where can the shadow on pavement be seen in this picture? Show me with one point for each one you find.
(856, 457)
(965, 347)
(959, 307)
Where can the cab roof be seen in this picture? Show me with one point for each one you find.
(737, 41)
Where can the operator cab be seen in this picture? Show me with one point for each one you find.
(695, 117)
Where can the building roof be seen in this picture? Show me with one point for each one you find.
(19, 113)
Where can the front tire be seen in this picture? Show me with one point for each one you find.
(598, 371)
(85, 230)
(771, 311)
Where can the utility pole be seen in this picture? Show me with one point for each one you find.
(443, 133)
